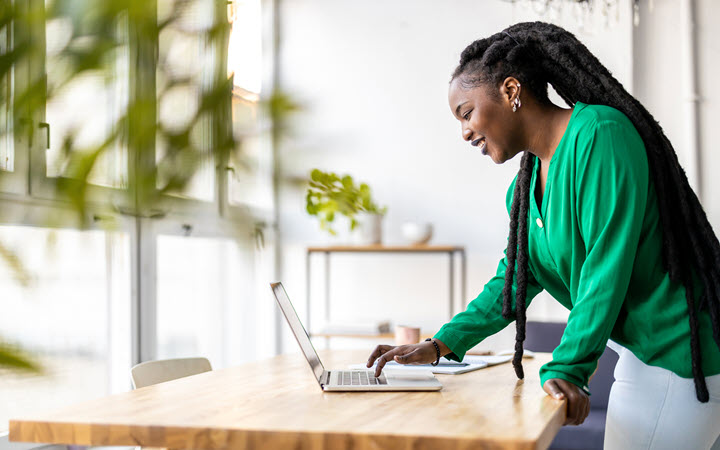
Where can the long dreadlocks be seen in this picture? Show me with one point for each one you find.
(538, 53)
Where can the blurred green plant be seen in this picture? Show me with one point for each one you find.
(12, 357)
(328, 195)
(19, 270)
(162, 158)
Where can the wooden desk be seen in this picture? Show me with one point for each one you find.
(245, 408)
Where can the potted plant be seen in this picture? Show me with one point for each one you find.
(329, 195)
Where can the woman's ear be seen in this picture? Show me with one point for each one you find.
(509, 90)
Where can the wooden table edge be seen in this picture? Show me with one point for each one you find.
(59, 431)
(213, 438)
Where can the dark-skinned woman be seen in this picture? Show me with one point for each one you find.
(601, 217)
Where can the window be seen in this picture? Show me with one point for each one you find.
(6, 138)
(245, 49)
(185, 70)
(84, 104)
(251, 180)
(112, 284)
(250, 177)
(211, 300)
(73, 318)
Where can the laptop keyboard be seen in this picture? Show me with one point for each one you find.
(359, 378)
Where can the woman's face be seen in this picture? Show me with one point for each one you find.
(486, 121)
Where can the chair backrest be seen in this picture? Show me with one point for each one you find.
(545, 336)
(154, 372)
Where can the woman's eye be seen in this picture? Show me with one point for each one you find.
(466, 116)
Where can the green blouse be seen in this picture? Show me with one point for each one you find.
(595, 245)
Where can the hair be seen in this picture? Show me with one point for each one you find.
(538, 53)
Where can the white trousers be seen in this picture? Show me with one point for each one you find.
(653, 408)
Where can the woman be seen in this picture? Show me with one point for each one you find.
(603, 218)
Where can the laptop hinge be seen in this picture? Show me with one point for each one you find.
(325, 378)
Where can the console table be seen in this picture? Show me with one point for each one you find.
(450, 250)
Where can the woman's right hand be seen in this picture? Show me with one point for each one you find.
(421, 353)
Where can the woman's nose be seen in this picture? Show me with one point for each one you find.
(466, 134)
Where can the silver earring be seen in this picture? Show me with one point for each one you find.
(517, 104)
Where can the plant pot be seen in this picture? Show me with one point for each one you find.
(368, 230)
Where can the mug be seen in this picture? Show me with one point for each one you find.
(406, 335)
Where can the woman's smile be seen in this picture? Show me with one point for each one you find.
(480, 142)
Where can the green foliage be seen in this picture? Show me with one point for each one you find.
(161, 159)
(14, 358)
(15, 265)
(328, 194)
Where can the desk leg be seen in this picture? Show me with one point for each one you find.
(308, 279)
(463, 281)
(327, 286)
(451, 283)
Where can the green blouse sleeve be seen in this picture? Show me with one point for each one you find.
(611, 188)
(483, 316)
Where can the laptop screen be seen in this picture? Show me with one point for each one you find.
(298, 329)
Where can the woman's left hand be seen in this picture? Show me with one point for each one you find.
(578, 406)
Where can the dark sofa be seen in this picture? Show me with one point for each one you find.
(544, 337)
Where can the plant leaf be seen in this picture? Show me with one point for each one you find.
(17, 266)
(14, 359)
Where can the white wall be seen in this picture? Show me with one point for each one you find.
(708, 41)
(373, 77)
(661, 85)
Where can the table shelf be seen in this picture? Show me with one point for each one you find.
(388, 336)
(450, 250)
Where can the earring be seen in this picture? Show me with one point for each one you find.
(517, 104)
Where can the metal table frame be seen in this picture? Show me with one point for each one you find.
(451, 251)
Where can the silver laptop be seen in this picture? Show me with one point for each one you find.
(349, 380)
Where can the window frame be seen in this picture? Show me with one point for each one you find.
(29, 197)
(30, 162)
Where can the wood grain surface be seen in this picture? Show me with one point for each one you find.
(278, 404)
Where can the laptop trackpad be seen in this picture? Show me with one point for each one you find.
(404, 377)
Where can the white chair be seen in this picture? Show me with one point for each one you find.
(154, 372)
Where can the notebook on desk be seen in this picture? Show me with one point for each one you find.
(349, 380)
(452, 368)
(446, 366)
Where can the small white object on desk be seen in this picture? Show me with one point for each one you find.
(417, 233)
